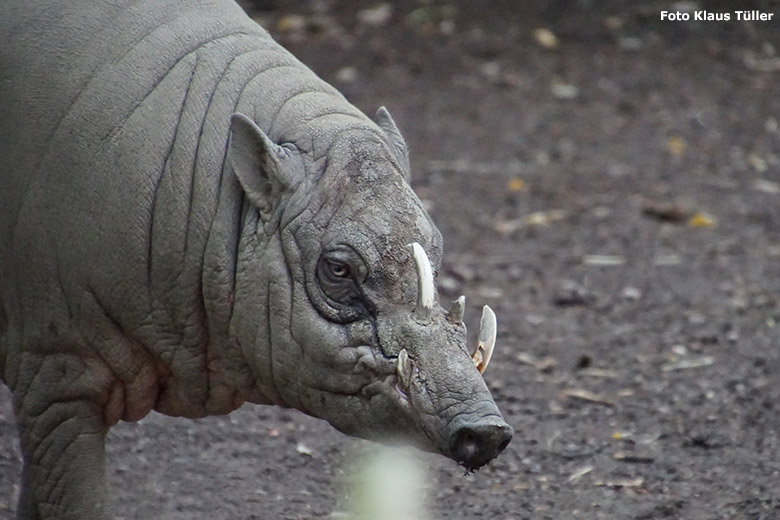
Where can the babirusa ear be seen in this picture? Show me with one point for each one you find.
(386, 123)
(267, 172)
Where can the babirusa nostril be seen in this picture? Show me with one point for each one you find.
(466, 445)
(474, 446)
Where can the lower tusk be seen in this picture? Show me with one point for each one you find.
(486, 341)
(404, 369)
(455, 314)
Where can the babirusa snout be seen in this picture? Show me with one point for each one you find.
(474, 445)
(471, 432)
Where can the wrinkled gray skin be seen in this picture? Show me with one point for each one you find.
(158, 252)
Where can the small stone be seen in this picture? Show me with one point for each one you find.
(491, 70)
(631, 293)
(630, 44)
(375, 16)
(448, 283)
(613, 23)
(546, 38)
(766, 186)
(491, 292)
(686, 6)
(447, 27)
(564, 90)
(571, 294)
(757, 162)
(347, 75)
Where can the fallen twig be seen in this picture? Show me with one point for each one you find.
(634, 458)
(622, 483)
(574, 477)
(688, 363)
(585, 395)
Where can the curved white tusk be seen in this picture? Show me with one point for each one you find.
(486, 341)
(404, 369)
(424, 280)
(455, 314)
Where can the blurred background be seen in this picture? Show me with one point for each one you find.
(610, 184)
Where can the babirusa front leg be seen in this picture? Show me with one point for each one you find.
(62, 430)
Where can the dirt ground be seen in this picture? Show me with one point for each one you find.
(610, 184)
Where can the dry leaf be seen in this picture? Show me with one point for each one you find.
(516, 184)
(676, 146)
(702, 220)
(291, 23)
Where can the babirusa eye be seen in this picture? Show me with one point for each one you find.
(339, 270)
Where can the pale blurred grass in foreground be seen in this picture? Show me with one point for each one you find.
(387, 484)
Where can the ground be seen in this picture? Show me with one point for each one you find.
(610, 184)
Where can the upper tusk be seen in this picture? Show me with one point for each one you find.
(425, 294)
(455, 314)
(486, 340)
